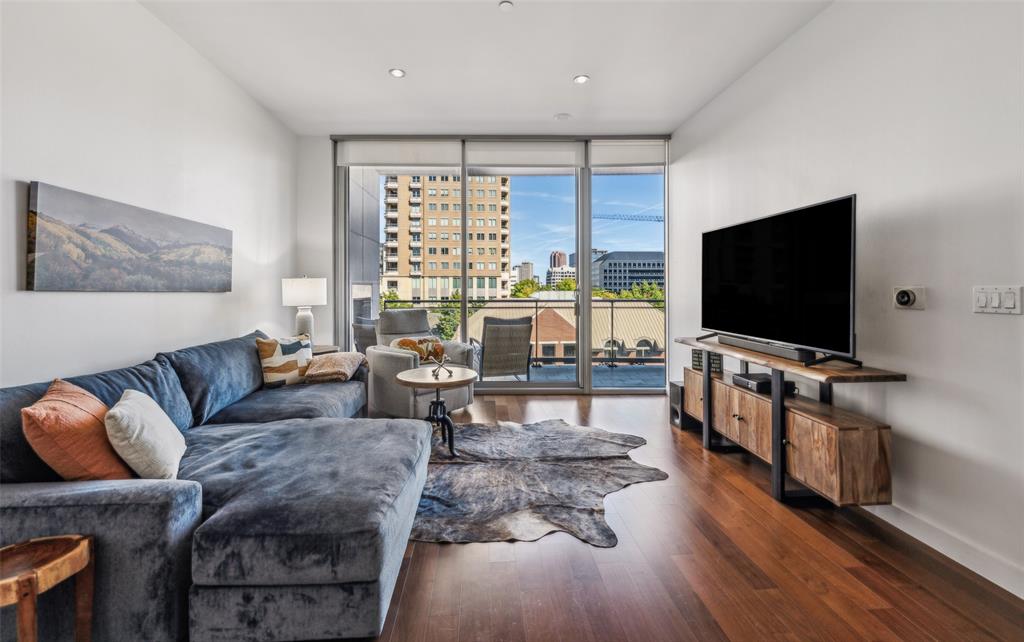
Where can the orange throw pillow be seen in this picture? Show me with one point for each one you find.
(65, 428)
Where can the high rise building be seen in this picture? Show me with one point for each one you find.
(621, 270)
(526, 271)
(558, 274)
(423, 237)
(594, 255)
(558, 259)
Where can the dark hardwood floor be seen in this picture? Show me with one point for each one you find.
(704, 555)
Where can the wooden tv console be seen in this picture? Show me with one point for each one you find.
(838, 454)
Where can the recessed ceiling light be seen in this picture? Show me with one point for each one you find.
(506, 5)
(581, 79)
(563, 116)
(397, 73)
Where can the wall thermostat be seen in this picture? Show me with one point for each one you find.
(908, 297)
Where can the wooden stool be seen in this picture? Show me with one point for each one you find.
(33, 567)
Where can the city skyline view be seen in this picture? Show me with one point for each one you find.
(544, 210)
(541, 220)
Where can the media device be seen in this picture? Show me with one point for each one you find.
(784, 284)
(762, 383)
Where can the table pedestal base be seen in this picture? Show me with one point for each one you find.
(439, 416)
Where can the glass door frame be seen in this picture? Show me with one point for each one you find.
(584, 280)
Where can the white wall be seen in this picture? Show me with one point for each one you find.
(103, 98)
(315, 236)
(919, 110)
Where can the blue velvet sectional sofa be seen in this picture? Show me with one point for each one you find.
(288, 520)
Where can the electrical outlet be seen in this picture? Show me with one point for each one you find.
(996, 299)
(908, 297)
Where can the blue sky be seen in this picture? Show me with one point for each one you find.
(543, 215)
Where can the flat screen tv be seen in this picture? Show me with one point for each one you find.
(786, 279)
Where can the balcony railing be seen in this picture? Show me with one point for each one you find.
(625, 333)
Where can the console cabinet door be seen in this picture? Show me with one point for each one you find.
(744, 413)
(759, 428)
(693, 394)
(721, 406)
(812, 455)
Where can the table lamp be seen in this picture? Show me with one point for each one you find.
(304, 293)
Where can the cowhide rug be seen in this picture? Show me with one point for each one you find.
(522, 481)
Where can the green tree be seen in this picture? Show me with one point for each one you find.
(448, 317)
(523, 289)
(389, 301)
(647, 291)
(566, 285)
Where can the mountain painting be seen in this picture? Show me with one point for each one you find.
(78, 242)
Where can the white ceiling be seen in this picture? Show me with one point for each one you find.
(321, 67)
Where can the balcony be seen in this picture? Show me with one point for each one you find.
(415, 185)
(415, 200)
(627, 342)
(391, 243)
(416, 259)
(415, 243)
(504, 244)
(391, 185)
(391, 214)
(391, 229)
(504, 202)
(391, 200)
(504, 188)
(415, 215)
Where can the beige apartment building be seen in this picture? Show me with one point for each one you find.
(422, 257)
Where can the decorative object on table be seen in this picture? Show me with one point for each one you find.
(424, 378)
(31, 568)
(144, 436)
(65, 428)
(697, 360)
(284, 361)
(425, 347)
(78, 242)
(304, 293)
(505, 347)
(440, 365)
(335, 366)
(522, 481)
(325, 349)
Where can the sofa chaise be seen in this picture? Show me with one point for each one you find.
(288, 520)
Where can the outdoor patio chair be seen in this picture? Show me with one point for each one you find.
(505, 347)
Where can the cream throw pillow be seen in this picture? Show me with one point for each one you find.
(144, 436)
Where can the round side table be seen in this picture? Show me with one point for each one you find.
(424, 379)
(30, 568)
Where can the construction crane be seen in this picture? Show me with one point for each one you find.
(647, 218)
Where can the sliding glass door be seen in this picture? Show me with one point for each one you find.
(548, 254)
(627, 267)
(529, 237)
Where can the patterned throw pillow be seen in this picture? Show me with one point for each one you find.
(426, 347)
(284, 360)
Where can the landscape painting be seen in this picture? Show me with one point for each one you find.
(78, 242)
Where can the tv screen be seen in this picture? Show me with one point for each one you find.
(786, 279)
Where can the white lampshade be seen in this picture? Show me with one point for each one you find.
(303, 292)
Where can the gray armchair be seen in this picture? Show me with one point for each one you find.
(505, 347)
(388, 397)
(364, 333)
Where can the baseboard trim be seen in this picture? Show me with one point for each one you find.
(1000, 571)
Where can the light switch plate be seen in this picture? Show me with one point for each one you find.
(982, 299)
(919, 297)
